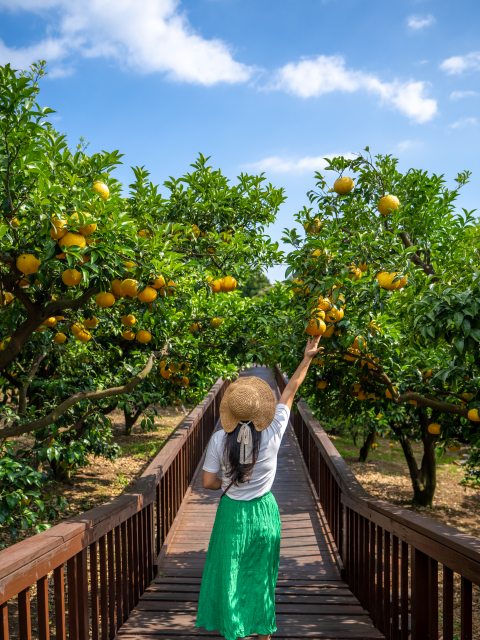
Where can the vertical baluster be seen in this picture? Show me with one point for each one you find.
(361, 561)
(366, 563)
(419, 591)
(151, 566)
(82, 592)
(131, 572)
(404, 591)
(136, 588)
(433, 598)
(140, 552)
(171, 486)
(42, 609)
(371, 577)
(379, 595)
(111, 587)
(395, 625)
(447, 604)
(125, 580)
(94, 602)
(355, 555)
(386, 586)
(118, 577)
(59, 595)
(466, 610)
(72, 598)
(348, 566)
(102, 549)
(24, 615)
(163, 498)
(4, 635)
(146, 560)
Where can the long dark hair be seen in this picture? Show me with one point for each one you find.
(231, 453)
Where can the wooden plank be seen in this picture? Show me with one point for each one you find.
(291, 625)
(289, 607)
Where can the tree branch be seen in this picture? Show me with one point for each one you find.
(95, 395)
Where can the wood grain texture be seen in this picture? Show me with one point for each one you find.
(311, 599)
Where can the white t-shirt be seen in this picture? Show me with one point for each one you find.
(263, 473)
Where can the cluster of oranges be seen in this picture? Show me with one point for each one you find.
(222, 284)
(175, 372)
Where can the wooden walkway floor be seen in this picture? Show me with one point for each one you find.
(311, 599)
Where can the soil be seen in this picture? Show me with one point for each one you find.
(102, 480)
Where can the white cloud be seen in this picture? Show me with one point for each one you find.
(151, 36)
(463, 122)
(315, 76)
(458, 95)
(416, 23)
(309, 164)
(458, 64)
(405, 145)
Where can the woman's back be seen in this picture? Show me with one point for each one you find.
(263, 473)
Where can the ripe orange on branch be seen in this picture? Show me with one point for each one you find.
(129, 287)
(102, 189)
(90, 322)
(149, 294)
(343, 185)
(316, 327)
(72, 239)
(228, 283)
(71, 277)
(321, 384)
(387, 204)
(144, 336)
(59, 338)
(128, 321)
(105, 299)
(312, 226)
(28, 263)
(434, 429)
(473, 415)
(128, 335)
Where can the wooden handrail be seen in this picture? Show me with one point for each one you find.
(113, 546)
(391, 555)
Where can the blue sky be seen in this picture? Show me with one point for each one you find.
(269, 85)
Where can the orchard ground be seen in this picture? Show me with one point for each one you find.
(385, 475)
(102, 480)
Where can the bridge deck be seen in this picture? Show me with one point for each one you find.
(311, 599)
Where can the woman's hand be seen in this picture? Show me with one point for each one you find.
(312, 347)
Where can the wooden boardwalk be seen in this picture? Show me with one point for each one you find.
(311, 599)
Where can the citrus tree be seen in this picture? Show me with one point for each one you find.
(101, 288)
(387, 272)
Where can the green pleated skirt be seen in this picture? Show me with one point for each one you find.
(237, 595)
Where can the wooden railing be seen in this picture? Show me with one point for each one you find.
(81, 578)
(394, 561)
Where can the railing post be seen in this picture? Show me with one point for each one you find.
(420, 616)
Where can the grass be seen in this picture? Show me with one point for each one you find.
(142, 449)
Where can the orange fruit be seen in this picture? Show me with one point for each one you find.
(159, 282)
(312, 226)
(71, 277)
(90, 322)
(215, 285)
(316, 327)
(76, 328)
(72, 239)
(83, 336)
(216, 322)
(5, 298)
(87, 229)
(328, 333)
(105, 299)
(434, 429)
(59, 338)
(334, 315)
(185, 381)
(165, 373)
(321, 384)
(144, 336)
(50, 322)
(228, 284)
(128, 321)
(129, 287)
(387, 204)
(149, 294)
(102, 190)
(116, 288)
(195, 327)
(128, 335)
(144, 233)
(343, 185)
(473, 415)
(28, 263)
(4, 343)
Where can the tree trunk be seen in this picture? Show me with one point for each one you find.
(130, 420)
(60, 470)
(424, 478)
(367, 445)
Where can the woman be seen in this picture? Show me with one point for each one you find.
(237, 595)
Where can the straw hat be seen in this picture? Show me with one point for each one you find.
(248, 399)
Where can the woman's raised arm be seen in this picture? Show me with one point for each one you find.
(298, 377)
